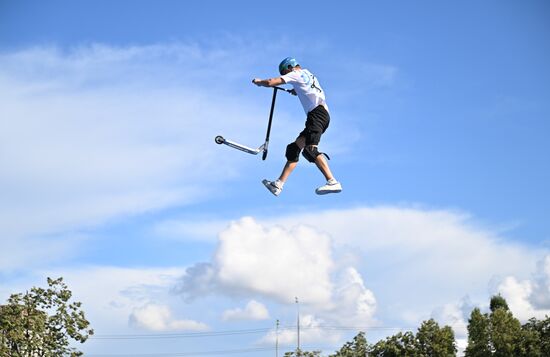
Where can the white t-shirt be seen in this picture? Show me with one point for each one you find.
(307, 88)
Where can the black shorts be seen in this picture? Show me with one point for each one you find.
(317, 122)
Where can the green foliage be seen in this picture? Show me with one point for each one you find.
(429, 341)
(300, 353)
(356, 348)
(401, 344)
(40, 323)
(478, 335)
(500, 334)
(498, 302)
(536, 337)
(505, 332)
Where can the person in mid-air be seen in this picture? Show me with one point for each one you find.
(307, 88)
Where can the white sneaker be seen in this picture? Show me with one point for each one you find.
(273, 187)
(333, 187)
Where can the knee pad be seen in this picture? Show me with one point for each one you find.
(292, 152)
(311, 152)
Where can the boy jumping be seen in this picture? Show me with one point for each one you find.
(307, 88)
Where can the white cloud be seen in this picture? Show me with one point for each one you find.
(455, 315)
(252, 311)
(160, 318)
(431, 257)
(311, 331)
(98, 132)
(275, 262)
(281, 264)
(354, 303)
(540, 298)
(420, 251)
(189, 230)
(527, 298)
(355, 267)
(111, 295)
(32, 251)
(517, 295)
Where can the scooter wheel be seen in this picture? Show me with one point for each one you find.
(219, 139)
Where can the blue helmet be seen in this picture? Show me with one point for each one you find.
(289, 61)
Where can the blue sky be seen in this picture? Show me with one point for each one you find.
(110, 176)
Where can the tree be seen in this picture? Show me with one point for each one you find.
(401, 344)
(505, 333)
(478, 335)
(498, 302)
(356, 348)
(536, 337)
(300, 353)
(40, 322)
(500, 334)
(431, 340)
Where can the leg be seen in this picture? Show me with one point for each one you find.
(312, 154)
(291, 165)
(322, 165)
(292, 155)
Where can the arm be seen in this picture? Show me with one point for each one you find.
(271, 82)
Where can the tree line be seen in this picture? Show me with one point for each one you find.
(42, 323)
(496, 333)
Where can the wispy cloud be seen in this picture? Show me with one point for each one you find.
(112, 295)
(94, 133)
(253, 310)
(311, 331)
(155, 317)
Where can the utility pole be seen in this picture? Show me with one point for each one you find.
(277, 340)
(298, 320)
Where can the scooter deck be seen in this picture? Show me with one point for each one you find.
(263, 148)
(220, 140)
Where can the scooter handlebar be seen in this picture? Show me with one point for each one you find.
(291, 91)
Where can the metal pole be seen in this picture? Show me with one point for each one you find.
(277, 340)
(298, 309)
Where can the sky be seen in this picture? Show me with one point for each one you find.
(110, 176)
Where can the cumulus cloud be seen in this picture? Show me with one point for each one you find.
(252, 311)
(275, 262)
(355, 303)
(407, 254)
(282, 264)
(155, 317)
(411, 249)
(522, 295)
(455, 315)
(528, 298)
(348, 267)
